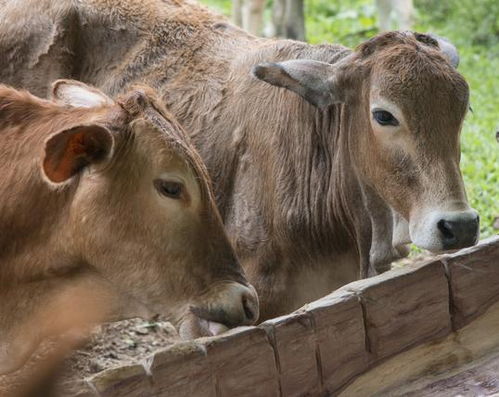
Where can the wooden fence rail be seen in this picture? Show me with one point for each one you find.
(322, 348)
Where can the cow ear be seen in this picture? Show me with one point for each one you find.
(69, 151)
(76, 94)
(314, 81)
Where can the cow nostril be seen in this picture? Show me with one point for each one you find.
(446, 229)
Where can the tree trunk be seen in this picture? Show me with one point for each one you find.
(395, 14)
(237, 12)
(289, 19)
(295, 20)
(278, 10)
(253, 16)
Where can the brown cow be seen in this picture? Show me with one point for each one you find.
(316, 189)
(106, 212)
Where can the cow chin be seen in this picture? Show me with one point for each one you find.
(438, 231)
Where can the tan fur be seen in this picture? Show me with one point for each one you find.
(300, 189)
(106, 244)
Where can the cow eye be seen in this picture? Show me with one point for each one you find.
(171, 189)
(383, 117)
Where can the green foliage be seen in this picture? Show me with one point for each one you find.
(478, 20)
(473, 25)
(221, 6)
(340, 22)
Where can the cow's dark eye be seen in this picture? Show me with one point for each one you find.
(384, 118)
(170, 189)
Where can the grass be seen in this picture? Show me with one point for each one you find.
(351, 22)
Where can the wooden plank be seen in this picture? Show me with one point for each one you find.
(474, 280)
(478, 378)
(293, 339)
(127, 380)
(426, 364)
(243, 363)
(182, 370)
(404, 307)
(340, 337)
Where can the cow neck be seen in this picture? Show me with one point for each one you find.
(323, 181)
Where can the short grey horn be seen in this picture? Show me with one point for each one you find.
(449, 50)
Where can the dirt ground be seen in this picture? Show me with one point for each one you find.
(116, 344)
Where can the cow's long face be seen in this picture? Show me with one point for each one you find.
(415, 103)
(144, 219)
(404, 108)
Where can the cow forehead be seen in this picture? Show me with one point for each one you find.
(421, 83)
(174, 139)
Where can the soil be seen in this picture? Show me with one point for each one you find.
(116, 344)
(120, 343)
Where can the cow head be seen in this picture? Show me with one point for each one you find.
(142, 216)
(404, 105)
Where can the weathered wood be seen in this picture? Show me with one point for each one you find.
(370, 337)
(478, 378)
(404, 307)
(474, 280)
(293, 339)
(182, 370)
(78, 388)
(243, 364)
(340, 337)
(427, 363)
(128, 380)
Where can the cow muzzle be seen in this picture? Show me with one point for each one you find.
(446, 230)
(228, 305)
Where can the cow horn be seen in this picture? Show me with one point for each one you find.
(449, 50)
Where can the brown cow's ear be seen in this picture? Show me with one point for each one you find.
(76, 94)
(69, 151)
(314, 81)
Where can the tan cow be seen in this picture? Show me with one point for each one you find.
(326, 161)
(106, 212)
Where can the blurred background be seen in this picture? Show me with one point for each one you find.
(472, 25)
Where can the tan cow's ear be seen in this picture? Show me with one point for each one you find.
(312, 80)
(76, 94)
(69, 151)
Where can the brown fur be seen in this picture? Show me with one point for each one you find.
(306, 194)
(104, 244)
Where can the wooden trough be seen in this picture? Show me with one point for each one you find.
(426, 329)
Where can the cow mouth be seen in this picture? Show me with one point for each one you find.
(211, 328)
(198, 323)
